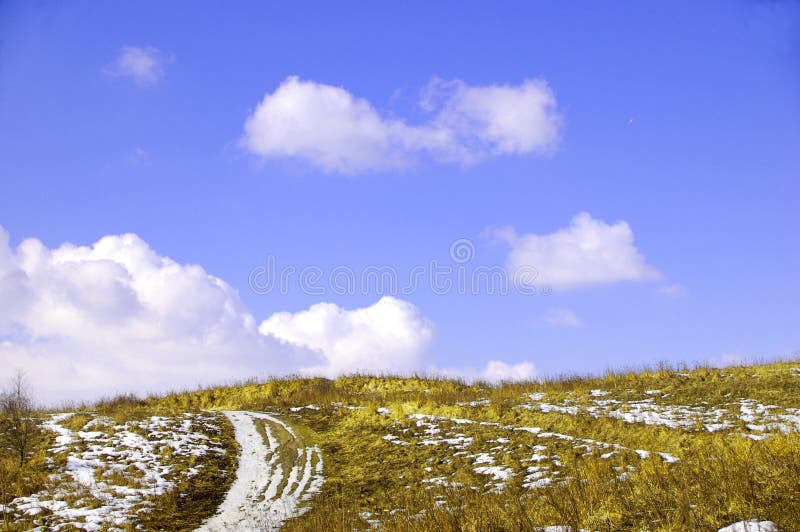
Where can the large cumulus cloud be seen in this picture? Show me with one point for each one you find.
(116, 316)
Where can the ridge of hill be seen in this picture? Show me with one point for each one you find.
(662, 449)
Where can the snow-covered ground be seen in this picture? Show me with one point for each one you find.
(254, 502)
(487, 448)
(753, 525)
(104, 474)
(759, 419)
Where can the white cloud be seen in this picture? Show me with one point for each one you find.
(328, 126)
(142, 64)
(389, 336)
(562, 317)
(495, 371)
(588, 252)
(495, 119)
(674, 290)
(726, 360)
(498, 371)
(116, 316)
(339, 132)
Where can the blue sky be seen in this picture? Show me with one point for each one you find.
(680, 120)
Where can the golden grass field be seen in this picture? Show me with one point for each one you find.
(663, 449)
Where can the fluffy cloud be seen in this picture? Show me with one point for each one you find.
(144, 65)
(495, 371)
(85, 321)
(389, 336)
(562, 317)
(498, 371)
(338, 132)
(494, 120)
(116, 316)
(588, 252)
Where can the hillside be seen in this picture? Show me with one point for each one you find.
(665, 449)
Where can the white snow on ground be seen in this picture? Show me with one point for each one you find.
(547, 408)
(542, 466)
(394, 439)
(253, 502)
(475, 404)
(752, 525)
(668, 458)
(758, 418)
(558, 528)
(64, 437)
(499, 474)
(109, 475)
(342, 405)
(299, 408)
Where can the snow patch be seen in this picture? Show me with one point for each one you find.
(751, 525)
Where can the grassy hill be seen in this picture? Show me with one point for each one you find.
(665, 449)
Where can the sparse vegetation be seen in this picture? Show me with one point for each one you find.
(664, 449)
(22, 446)
(19, 430)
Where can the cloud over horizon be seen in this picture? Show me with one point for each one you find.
(117, 317)
(389, 336)
(494, 372)
(338, 132)
(499, 371)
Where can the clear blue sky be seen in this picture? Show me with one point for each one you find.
(680, 118)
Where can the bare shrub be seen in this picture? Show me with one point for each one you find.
(19, 430)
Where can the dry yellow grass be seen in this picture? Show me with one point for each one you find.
(566, 451)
